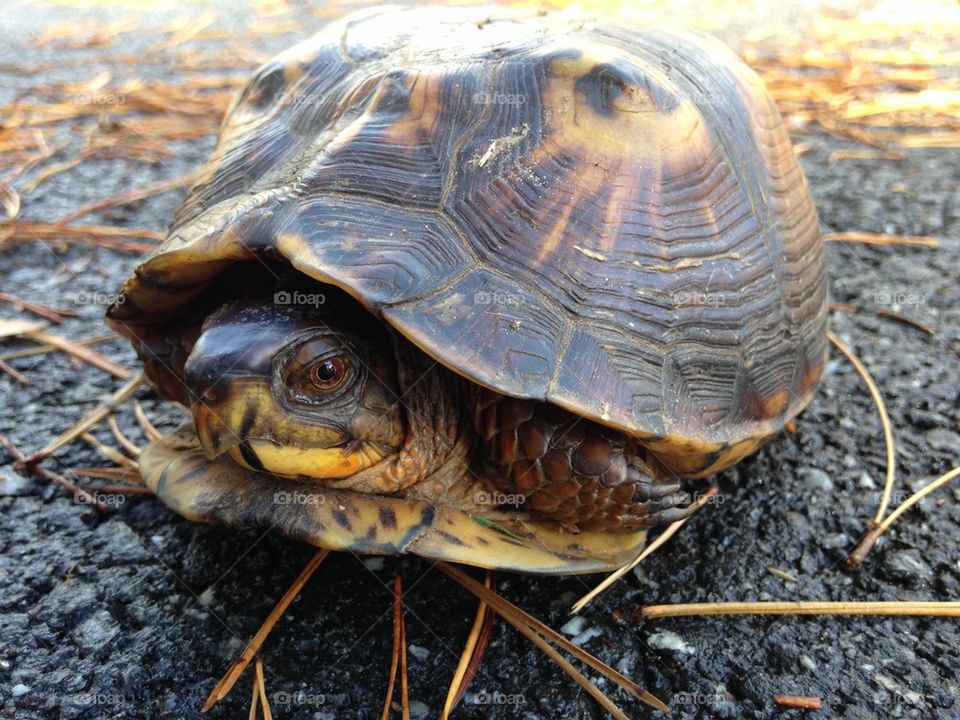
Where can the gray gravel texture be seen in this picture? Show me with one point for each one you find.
(136, 614)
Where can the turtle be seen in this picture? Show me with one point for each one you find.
(486, 285)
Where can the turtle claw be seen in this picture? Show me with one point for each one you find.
(670, 515)
(657, 491)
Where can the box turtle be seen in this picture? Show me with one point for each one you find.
(482, 285)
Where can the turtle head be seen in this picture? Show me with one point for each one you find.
(295, 387)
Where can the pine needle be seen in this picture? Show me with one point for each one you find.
(25, 464)
(229, 679)
(871, 238)
(884, 422)
(14, 373)
(102, 410)
(647, 551)
(473, 650)
(949, 608)
(92, 357)
(800, 702)
(863, 548)
(108, 452)
(149, 429)
(261, 685)
(395, 650)
(128, 197)
(523, 621)
(125, 442)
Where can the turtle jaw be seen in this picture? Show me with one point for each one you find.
(247, 425)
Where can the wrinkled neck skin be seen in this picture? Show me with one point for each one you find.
(433, 463)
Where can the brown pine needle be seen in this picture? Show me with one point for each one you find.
(106, 236)
(404, 685)
(148, 427)
(871, 238)
(647, 552)
(108, 452)
(55, 316)
(43, 349)
(473, 650)
(395, 651)
(863, 154)
(105, 473)
(906, 320)
(24, 464)
(15, 327)
(90, 419)
(129, 197)
(566, 666)
(843, 307)
(14, 373)
(884, 422)
(81, 352)
(254, 702)
(517, 617)
(261, 685)
(227, 682)
(800, 702)
(864, 547)
(125, 442)
(118, 489)
(950, 608)
(49, 173)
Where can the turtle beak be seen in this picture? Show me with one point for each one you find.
(215, 436)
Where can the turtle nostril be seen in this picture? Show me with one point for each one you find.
(210, 393)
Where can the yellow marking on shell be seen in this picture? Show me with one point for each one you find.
(774, 405)
(810, 377)
(300, 255)
(551, 240)
(636, 131)
(425, 90)
(635, 136)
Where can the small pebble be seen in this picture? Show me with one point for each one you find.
(906, 565)
(418, 710)
(374, 563)
(13, 485)
(587, 635)
(574, 626)
(945, 441)
(816, 479)
(19, 690)
(668, 640)
(418, 652)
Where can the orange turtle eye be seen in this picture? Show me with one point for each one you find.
(328, 374)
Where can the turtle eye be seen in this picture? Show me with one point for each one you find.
(328, 374)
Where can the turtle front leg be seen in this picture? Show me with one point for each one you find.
(572, 471)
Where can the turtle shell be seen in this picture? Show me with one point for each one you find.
(604, 216)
